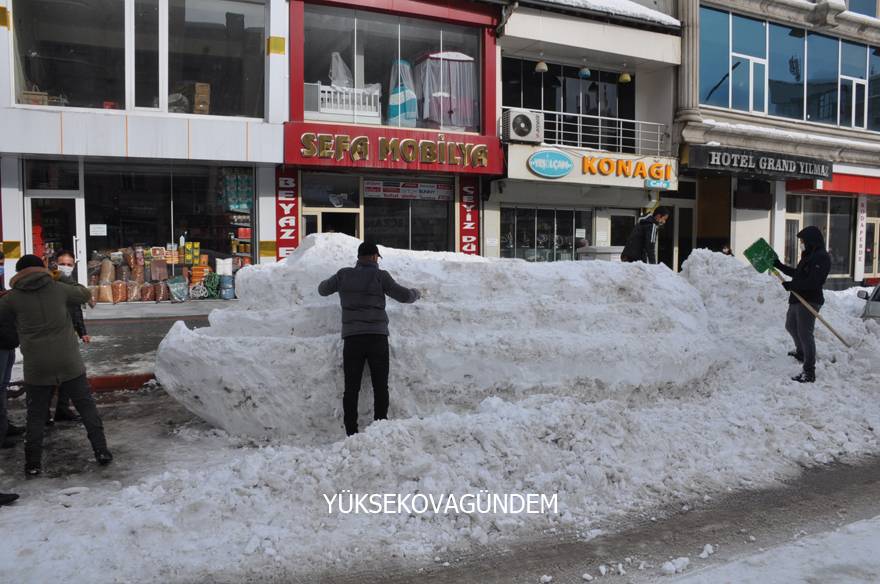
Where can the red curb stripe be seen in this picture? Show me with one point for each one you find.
(104, 383)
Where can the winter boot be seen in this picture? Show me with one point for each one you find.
(32, 469)
(796, 355)
(804, 377)
(103, 456)
(7, 498)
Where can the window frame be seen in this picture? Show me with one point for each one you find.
(765, 61)
(799, 217)
(130, 80)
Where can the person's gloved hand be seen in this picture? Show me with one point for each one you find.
(777, 264)
(787, 286)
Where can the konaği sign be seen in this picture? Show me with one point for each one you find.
(758, 163)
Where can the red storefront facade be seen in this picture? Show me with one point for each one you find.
(392, 134)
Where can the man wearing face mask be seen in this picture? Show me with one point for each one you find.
(807, 280)
(66, 264)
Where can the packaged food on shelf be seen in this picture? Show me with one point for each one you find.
(105, 293)
(119, 291)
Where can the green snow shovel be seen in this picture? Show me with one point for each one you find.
(762, 257)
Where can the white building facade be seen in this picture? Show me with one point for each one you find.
(141, 123)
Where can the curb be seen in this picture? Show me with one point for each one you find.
(106, 383)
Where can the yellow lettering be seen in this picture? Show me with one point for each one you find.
(589, 164)
(309, 149)
(641, 170)
(325, 146)
(427, 152)
(343, 145)
(624, 168)
(389, 149)
(607, 167)
(409, 149)
(480, 156)
(360, 148)
(656, 171)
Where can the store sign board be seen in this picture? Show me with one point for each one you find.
(287, 233)
(550, 163)
(758, 163)
(424, 191)
(98, 229)
(469, 215)
(342, 146)
(861, 237)
(597, 168)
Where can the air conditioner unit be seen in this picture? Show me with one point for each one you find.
(519, 125)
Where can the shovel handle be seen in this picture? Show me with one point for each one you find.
(813, 311)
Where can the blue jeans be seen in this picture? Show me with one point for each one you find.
(7, 360)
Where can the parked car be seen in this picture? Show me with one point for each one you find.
(872, 306)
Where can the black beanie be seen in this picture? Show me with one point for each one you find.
(29, 261)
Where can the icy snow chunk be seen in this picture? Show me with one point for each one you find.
(545, 579)
(708, 550)
(675, 566)
(587, 577)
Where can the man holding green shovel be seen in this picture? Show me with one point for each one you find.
(807, 280)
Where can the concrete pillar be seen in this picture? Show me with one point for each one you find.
(689, 70)
(777, 229)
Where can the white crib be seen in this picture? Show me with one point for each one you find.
(343, 104)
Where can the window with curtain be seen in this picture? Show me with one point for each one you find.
(372, 68)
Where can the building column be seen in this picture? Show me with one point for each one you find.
(12, 200)
(861, 232)
(777, 228)
(689, 70)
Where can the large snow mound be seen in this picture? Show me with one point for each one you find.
(484, 327)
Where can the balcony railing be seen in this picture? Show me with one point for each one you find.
(603, 133)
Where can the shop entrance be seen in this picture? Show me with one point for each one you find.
(675, 241)
(872, 247)
(713, 212)
(56, 222)
(330, 222)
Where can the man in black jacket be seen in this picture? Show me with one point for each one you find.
(807, 280)
(66, 265)
(362, 290)
(642, 241)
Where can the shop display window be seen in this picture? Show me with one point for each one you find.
(216, 60)
(409, 214)
(70, 53)
(73, 54)
(334, 191)
(835, 218)
(159, 232)
(370, 68)
(52, 175)
(545, 235)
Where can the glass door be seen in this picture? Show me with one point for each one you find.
(56, 222)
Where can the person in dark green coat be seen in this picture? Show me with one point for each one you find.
(50, 349)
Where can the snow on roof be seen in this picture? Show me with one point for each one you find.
(626, 8)
(792, 136)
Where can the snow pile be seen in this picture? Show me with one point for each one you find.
(605, 431)
(625, 8)
(510, 329)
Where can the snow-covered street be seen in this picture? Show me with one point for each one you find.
(685, 398)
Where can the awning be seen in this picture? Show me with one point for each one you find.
(851, 184)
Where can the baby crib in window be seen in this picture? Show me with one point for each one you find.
(343, 104)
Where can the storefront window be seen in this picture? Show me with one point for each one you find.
(841, 234)
(786, 73)
(822, 67)
(146, 53)
(70, 53)
(216, 57)
(874, 207)
(714, 55)
(545, 235)
(371, 68)
(52, 175)
(335, 191)
(874, 89)
(139, 215)
(409, 214)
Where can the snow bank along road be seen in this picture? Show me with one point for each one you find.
(617, 388)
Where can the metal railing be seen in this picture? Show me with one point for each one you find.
(603, 133)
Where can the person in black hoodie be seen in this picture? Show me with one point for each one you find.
(642, 241)
(807, 280)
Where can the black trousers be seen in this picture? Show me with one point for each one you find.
(801, 324)
(38, 398)
(357, 349)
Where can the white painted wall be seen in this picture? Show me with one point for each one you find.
(777, 235)
(747, 225)
(32, 130)
(655, 96)
(12, 199)
(619, 41)
(265, 212)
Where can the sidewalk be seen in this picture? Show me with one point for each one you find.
(125, 337)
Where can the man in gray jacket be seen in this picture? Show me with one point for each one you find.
(362, 290)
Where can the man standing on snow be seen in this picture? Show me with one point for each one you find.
(362, 290)
(50, 349)
(807, 280)
(642, 241)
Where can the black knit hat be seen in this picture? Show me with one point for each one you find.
(29, 261)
